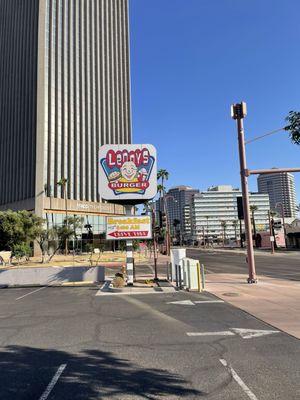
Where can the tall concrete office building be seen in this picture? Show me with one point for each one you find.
(281, 189)
(64, 91)
(177, 198)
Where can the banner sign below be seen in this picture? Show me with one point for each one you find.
(128, 228)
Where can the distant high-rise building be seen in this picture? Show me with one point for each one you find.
(176, 199)
(209, 208)
(281, 189)
(64, 91)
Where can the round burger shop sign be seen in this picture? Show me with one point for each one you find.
(128, 173)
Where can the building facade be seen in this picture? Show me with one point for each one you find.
(209, 208)
(281, 189)
(64, 92)
(176, 200)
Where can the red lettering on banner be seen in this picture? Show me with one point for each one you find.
(117, 159)
(119, 234)
(125, 185)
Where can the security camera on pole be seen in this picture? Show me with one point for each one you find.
(128, 176)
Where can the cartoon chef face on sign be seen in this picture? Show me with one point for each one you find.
(129, 170)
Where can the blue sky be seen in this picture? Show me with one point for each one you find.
(190, 59)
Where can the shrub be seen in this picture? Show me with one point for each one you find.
(21, 250)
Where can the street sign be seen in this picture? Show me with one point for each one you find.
(127, 173)
(128, 228)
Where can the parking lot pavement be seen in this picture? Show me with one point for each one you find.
(68, 343)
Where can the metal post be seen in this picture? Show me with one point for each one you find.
(271, 232)
(241, 233)
(180, 276)
(203, 276)
(247, 220)
(129, 254)
(283, 221)
(154, 245)
(167, 227)
(199, 278)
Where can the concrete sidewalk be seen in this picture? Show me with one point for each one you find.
(274, 301)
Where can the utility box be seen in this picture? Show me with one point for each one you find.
(177, 255)
(191, 274)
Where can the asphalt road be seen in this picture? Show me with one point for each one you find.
(285, 266)
(67, 343)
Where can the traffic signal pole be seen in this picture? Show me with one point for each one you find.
(238, 113)
(129, 253)
(154, 244)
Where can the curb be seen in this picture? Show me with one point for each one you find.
(54, 285)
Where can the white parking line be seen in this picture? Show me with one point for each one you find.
(53, 382)
(27, 294)
(235, 376)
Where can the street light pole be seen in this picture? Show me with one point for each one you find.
(238, 112)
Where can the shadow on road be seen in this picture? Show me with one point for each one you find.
(91, 374)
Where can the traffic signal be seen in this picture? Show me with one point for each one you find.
(240, 207)
(163, 220)
(277, 224)
(157, 229)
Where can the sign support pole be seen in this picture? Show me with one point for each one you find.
(129, 253)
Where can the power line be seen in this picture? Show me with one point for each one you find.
(266, 134)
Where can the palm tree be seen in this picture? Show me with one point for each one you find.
(163, 174)
(160, 189)
(224, 225)
(234, 225)
(253, 208)
(298, 208)
(63, 184)
(207, 218)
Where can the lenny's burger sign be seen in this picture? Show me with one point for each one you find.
(128, 172)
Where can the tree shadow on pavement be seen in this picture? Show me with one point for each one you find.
(25, 373)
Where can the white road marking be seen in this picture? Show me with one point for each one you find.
(209, 301)
(182, 302)
(252, 333)
(37, 290)
(53, 382)
(108, 293)
(221, 333)
(235, 376)
(192, 303)
(243, 333)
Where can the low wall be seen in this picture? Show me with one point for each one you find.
(50, 275)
